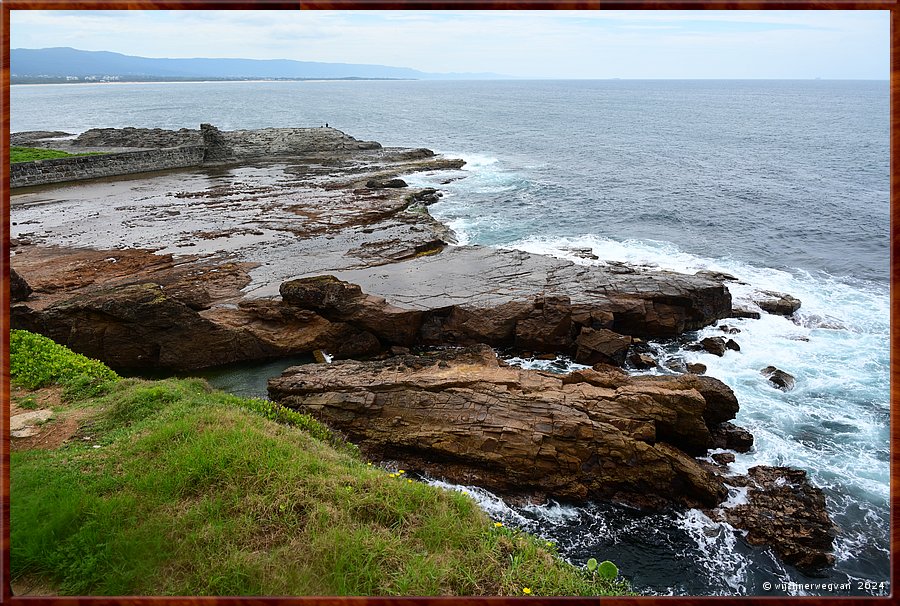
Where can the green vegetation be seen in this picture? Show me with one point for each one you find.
(30, 154)
(186, 490)
(36, 361)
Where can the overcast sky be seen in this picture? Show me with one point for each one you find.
(540, 44)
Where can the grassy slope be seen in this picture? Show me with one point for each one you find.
(194, 491)
(30, 154)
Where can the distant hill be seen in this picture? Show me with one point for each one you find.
(69, 64)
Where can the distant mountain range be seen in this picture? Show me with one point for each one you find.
(72, 65)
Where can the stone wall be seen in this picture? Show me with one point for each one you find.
(76, 168)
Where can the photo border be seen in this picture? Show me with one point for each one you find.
(893, 6)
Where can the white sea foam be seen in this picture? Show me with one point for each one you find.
(493, 505)
(833, 424)
(715, 551)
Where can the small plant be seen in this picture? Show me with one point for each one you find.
(36, 361)
(28, 402)
(605, 570)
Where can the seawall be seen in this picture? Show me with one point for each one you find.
(137, 150)
(76, 168)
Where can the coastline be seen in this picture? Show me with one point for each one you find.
(200, 81)
(221, 297)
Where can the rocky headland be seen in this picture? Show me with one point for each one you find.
(289, 241)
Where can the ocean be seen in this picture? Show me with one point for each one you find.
(783, 184)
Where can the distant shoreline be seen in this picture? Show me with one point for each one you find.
(204, 81)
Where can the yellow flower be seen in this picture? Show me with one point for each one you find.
(391, 475)
(401, 471)
(369, 464)
(410, 481)
(498, 524)
(549, 544)
(526, 591)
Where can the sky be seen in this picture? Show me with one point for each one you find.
(530, 44)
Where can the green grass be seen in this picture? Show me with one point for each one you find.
(36, 361)
(30, 154)
(196, 492)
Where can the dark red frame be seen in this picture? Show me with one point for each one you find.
(892, 5)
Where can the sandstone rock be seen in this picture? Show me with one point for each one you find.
(743, 312)
(584, 253)
(779, 378)
(295, 142)
(35, 138)
(463, 416)
(426, 196)
(676, 364)
(714, 345)
(321, 293)
(394, 183)
(718, 276)
(216, 146)
(137, 326)
(469, 295)
(777, 303)
(642, 360)
(138, 137)
(141, 326)
(341, 301)
(19, 290)
(601, 346)
(696, 368)
(730, 436)
(548, 327)
(785, 511)
(723, 458)
(387, 184)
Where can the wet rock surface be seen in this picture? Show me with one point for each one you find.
(727, 435)
(777, 303)
(461, 415)
(291, 252)
(786, 512)
(714, 345)
(779, 378)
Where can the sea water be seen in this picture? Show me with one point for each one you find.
(783, 184)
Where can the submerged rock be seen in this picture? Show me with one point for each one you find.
(642, 361)
(714, 345)
(723, 458)
(779, 378)
(777, 303)
(732, 437)
(463, 416)
(718, 276)
(785, 511)
(743, 312)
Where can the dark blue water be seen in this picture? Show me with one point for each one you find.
(781, 183)
(776, 173)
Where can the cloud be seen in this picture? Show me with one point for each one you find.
(567, 44)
